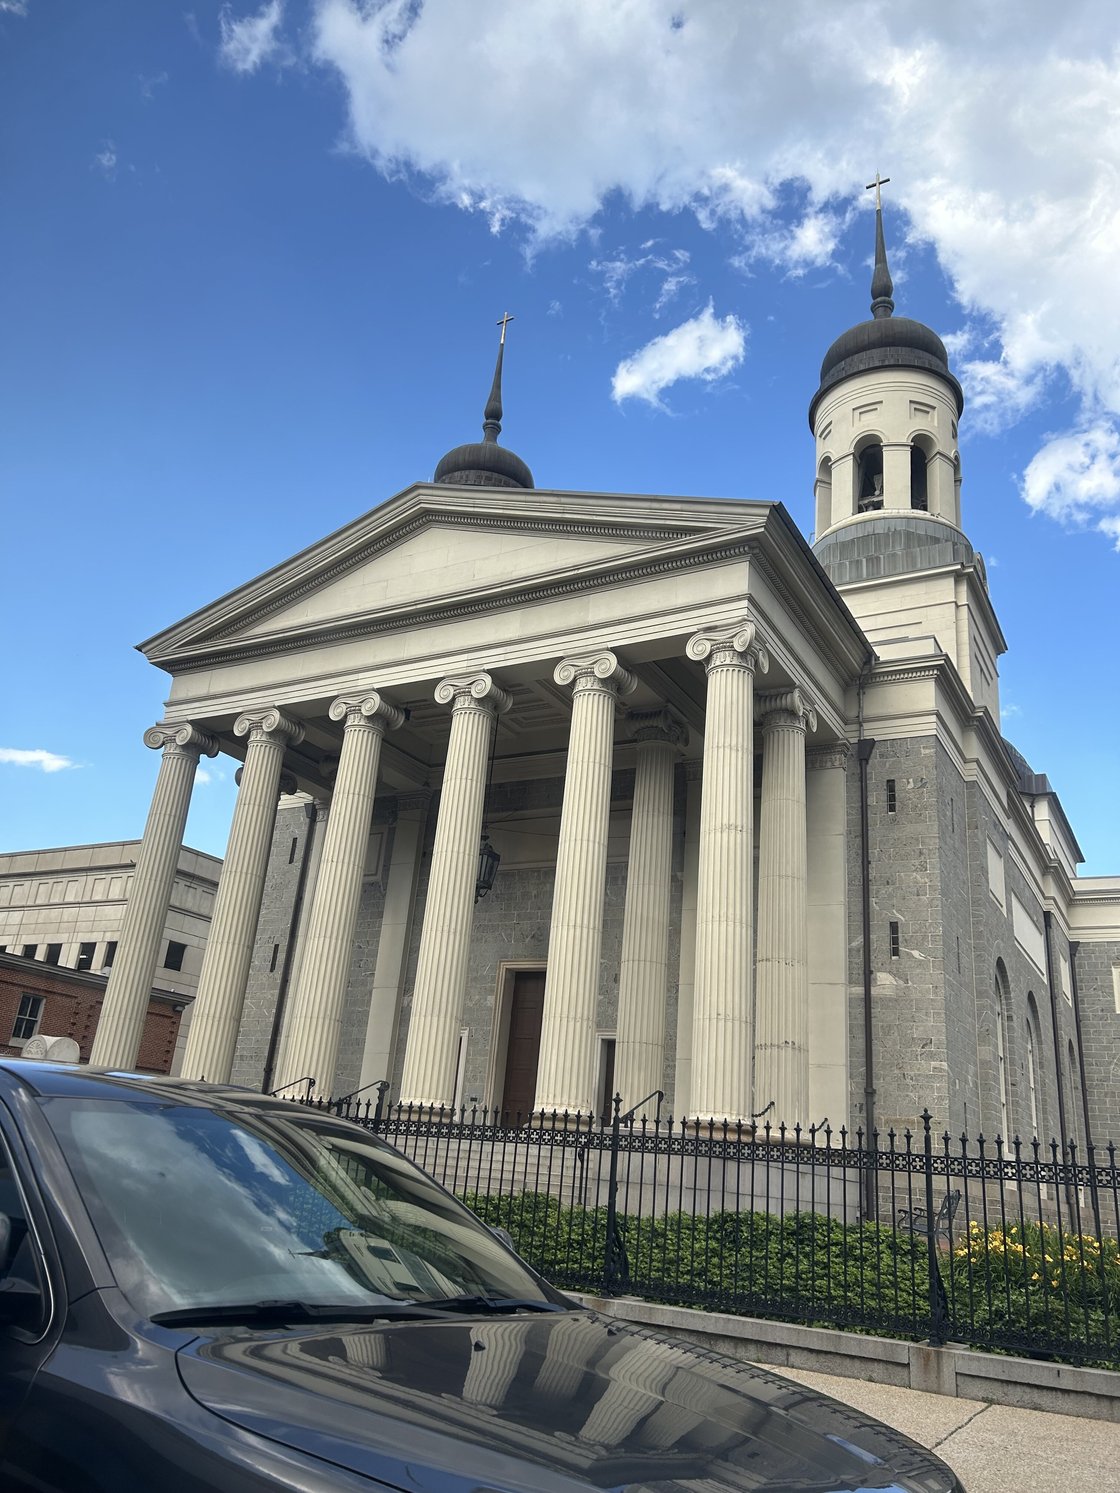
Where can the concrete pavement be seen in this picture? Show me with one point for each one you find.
(991, 1448)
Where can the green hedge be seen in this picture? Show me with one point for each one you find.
(1021, 1290)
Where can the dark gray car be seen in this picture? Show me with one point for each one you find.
(203, 1288)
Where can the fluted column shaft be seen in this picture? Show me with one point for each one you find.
(441, 971)
(644, 967)
(216, 1018)
(566, 1073)
(116, 1042)
(309, 1046)
(721, 1018)
(781, 959)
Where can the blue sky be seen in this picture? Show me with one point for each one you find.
(253, 258)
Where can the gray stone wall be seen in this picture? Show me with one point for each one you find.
(274, 930)
(1100, 1033)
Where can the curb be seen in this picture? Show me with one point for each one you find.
(953, 1370)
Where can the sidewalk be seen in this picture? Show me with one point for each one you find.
(991, 1448)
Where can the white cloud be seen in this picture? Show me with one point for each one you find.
(45, 761)
(705, 348)
(250, 42)
(995, 123)
(13, 7)
(105, 160)
(202, 775)
(1075, 478)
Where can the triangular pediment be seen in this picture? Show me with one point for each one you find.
(433, 549)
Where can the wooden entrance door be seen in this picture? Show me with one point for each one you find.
(523, 1049)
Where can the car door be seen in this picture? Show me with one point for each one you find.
(26, 1302)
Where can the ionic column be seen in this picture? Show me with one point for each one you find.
(721, 1015)
(566, 1075)
(441, 971)
(644, 967)
(233, 927)
(781, 959)
(121, 1024)
(309, 1046)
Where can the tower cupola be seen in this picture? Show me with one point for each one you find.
(885, 422)
(484, 463)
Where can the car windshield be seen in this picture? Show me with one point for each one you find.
(197, 1207)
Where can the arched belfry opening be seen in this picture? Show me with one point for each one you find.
(919, 474)
(823, 494)
(869, 478)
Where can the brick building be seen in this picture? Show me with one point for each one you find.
(39, 999)
(546, 794)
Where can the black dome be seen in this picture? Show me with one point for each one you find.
(483, 464)
(885, 342)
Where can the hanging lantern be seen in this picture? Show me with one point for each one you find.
(488, 859)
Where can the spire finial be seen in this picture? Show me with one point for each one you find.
(882, 287)
(492, 416)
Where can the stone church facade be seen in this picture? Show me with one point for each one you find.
(549, 795)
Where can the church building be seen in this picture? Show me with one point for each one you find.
(550, 795)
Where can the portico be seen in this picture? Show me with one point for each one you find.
(558, 667)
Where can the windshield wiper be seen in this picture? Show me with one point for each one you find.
(492, 1305)
(267, 1313)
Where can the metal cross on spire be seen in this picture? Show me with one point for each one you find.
(879, 182)
(506, 319)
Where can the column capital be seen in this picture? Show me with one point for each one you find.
(835, 754)
(735, 646)
(785, 707)
(371, 709)
(183, 738)
(270, 725)
(600, 670)
(656, 725)
(473, 691)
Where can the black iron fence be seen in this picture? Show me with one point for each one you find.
(1010, 1247)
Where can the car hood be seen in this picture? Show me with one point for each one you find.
(543, 1404)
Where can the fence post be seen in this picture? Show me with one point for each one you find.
(938, 1305)
(382, 1090)
(616, 1267)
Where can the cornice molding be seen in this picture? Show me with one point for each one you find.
(424, 614)
(426, 519)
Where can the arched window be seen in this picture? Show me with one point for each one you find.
(1002, 1073)
(1032, 1066)
(869, 484)
(919, 478)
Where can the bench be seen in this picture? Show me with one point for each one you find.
(914, 1219)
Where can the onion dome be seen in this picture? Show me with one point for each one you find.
(886, 341)
(484, 463)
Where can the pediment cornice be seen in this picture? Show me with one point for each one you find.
(657, 561)
(641, 528)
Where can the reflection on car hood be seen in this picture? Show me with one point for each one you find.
(543, 1405)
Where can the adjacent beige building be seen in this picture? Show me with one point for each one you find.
(761, 845)
(66, 907)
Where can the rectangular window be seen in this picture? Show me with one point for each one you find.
(86, 951)
(1116, 987)
(896, 947)
(27, 1017)
(606, 1079)
(1064, 979)
(292, 852)
(53, 954)
(29, 950)
(996, 883)
(110, 954)
(275, 956)
(892, 796)
(958, 955)
(1028, 934)
(173, 959)
(953, 815)
(460, 1069)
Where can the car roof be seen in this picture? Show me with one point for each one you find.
(51, 1080)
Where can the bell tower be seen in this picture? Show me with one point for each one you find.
(887, 494)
